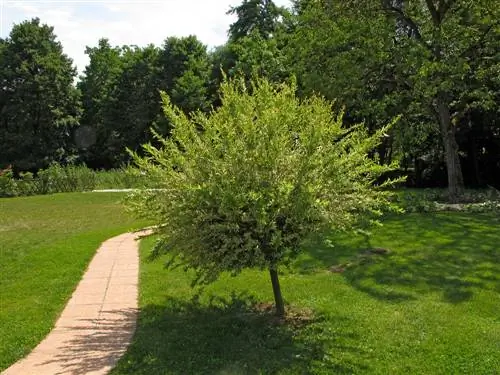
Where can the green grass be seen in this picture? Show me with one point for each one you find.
(429, 307)
(46, 242)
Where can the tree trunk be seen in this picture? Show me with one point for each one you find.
(455, 177)
(278, 298)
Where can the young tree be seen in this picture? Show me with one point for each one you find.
(244, 185)
(39, 105)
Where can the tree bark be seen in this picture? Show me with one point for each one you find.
(278, 298)
(455, 177)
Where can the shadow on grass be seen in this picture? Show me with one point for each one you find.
(226, 337)
(453, 254)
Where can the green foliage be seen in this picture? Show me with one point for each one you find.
(425, 60)
(255, 16)
(8, 186)
(126, 177)
(96, 85)
(435, 200)
(259, 56)
(133, 105)
(54, 179)
(184, 73)
(244, 185)
(39, 105)
(121, 94)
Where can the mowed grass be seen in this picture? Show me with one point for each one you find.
(46, 242)
(431, 306)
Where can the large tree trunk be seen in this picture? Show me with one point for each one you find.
(455, 177)
(278, 298)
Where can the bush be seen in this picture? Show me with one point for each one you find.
(59, 179)
(8, 187)
(246, 184)
(433, 200)
(126, 177)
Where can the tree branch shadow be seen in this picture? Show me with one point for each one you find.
(226, 336)
(451, 254)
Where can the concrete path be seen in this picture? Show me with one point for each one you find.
(98, 322)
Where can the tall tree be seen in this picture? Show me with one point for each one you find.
(96, 86)
(184, 72)
(133, 104)
(39, 105)
(437, 52)
(255, 46)
(261, 16)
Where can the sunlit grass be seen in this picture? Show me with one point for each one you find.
(46, 242)
(430, 306)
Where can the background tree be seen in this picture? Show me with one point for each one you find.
(261, 16)
(412, 57)
(96, 86)
(244, 185)
(133, 104)
(39, 105)
(184, 73)
(255, 46)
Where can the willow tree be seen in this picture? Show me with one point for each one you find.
(244, 185)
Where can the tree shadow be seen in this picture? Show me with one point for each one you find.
(452, 254)
(227, 336)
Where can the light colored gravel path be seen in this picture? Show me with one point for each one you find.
(97, 324)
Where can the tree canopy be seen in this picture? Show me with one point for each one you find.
(39, 106)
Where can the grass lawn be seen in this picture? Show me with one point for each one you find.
(431, 306)
(46, 242)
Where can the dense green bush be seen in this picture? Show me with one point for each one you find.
(127, 177)
(8, 187)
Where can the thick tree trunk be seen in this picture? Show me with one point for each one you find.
(278, 298)
(455, 177)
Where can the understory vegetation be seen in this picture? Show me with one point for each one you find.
(349, 149)
(71, 178)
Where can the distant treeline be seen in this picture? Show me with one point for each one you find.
(435, 66)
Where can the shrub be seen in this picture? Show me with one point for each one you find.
(246, 184)
(8, 187)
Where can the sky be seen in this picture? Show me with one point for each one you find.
(81, 23)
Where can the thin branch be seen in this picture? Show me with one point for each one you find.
(444, 7)
(434, 12)
(410, 23)
(480, 42)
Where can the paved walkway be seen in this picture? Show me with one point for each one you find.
(98, 322)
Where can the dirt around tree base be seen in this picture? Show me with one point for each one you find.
(296, 317)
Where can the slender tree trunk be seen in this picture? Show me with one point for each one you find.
(455, 177)
(278, 298)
